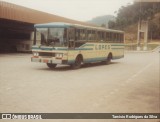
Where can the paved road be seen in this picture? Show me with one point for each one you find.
(126, 85)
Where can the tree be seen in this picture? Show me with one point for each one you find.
(103, 25)
(111, 24)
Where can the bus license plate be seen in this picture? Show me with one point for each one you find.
(45, 61)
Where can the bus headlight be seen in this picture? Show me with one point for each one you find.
(59, 55)
(35, 54)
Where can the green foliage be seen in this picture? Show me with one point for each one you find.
(154, 30)
(111, 24)
(103, 25)
(131, 14)
(102, 20)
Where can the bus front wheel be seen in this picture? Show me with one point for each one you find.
(77, 63)
(51, 66)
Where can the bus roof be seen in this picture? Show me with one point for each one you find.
(66, 25)
(53, 24)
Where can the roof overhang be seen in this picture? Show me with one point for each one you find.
(15, 12)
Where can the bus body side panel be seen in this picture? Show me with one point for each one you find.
(118, 50)
(98, 52)
(72, 54)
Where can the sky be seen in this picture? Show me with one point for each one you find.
(82, 10)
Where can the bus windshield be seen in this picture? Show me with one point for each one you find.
(51, 36)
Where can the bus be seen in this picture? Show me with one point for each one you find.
(74, 44)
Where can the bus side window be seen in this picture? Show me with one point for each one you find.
(103, 36)
(110, 35)
(93, 35)
(65, 35)
(85, 34)
(89, 35)
(119, 37)
(38, 38)
(80, 37)
(43, 39)
(122, 38)
(77, 35)
(107, 36)
(116, 37)
(113, 37)
(99, 35)
(71, 44)
(71, 37)
(82, 34)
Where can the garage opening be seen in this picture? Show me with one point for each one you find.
(15, 36)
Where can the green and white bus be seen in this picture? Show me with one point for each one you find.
(74, 45)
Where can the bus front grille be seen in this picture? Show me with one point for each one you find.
(46, 54)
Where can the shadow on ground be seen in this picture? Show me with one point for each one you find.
(67, 68)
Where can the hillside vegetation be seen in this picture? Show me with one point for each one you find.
(128, 17)
(102, 20)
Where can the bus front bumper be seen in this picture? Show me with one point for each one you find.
(48, 60)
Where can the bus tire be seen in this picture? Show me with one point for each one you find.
(51, 66)
(108, 60)
(109, 57)
(77, 63)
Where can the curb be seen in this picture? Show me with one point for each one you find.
(154, 50)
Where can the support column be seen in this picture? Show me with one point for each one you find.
(146, 37)
(138, 36)
(142, 28)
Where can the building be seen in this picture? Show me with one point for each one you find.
(17, 25)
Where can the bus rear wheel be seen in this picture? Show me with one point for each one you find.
(108, 60)
(77, 63)
(51, 66)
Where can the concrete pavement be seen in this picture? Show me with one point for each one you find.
(129, 85)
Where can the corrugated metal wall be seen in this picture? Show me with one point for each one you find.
(19, 13)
